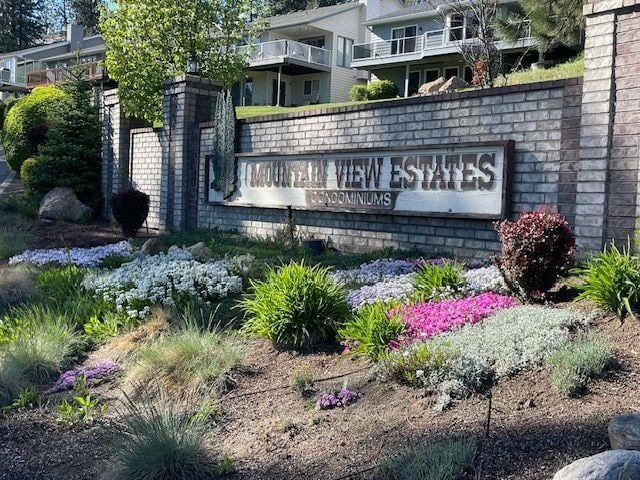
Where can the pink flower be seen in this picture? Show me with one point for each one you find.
(429, 319)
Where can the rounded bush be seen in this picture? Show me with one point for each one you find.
(130, 209)
(26, 124)
(536, 249)
(358, 93)
(27, 171)
(381, 89)
(296, 305)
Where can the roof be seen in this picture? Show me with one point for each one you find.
(426, 8)
(43, 48)
(302, 17)
(84, 52)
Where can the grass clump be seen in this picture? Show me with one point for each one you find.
(570, 69)
(157, 441)
(443, 280)
(611, 280)
(574, 364)
(186, 361)
(16, 234)
(446, 460)
(17, 286)
(370, 331)
(296, 305)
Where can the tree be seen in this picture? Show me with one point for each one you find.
(70, 154)
(552, 24)
(21, 25)
(87, 13)
(149, 41)
(60, 13)
(280, 7)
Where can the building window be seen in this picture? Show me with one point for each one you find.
(414, 83)
(311, 87)
(431, 74)
(450, 72)
(345, 49)
(314, 42)
(403, 40)
(248, 91)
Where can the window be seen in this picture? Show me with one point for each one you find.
(314, 42)
(403, 40)
(345, 48)
(311, 87)
(414, 83)
(248, 91)
(450, 72)
(468, 74)
(456, 27)
(431, 75)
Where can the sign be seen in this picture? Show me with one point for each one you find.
(462, 180)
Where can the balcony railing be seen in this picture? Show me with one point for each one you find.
(430, 40)
(277, 50)
(94, 71)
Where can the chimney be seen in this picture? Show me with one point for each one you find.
(75, 35)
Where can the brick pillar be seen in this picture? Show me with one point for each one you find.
(188, 101)
(115, 146)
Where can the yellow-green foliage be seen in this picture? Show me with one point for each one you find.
(25, 124)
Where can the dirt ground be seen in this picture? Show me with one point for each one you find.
(274, 433)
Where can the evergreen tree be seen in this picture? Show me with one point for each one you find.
(281, 7)
(70, 155)
(553, 23)
(21, 25)
(87, 13)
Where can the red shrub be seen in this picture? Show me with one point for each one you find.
(536, 249)
(130, 209)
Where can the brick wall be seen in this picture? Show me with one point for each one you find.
(146, 169)
(543, 119)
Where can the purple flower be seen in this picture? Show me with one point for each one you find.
(341, 398)
(92, 376)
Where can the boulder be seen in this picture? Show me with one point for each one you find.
(431, 87)
(454, 83)
(200, 251)
(62, 204)
(609, 465)
(151, 246)
(624, 432)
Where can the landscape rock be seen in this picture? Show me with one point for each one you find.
(151, 246)
(454, 83)
(624, 432)
(200, 251)
(432, 87)
(62, 204)
(609, 465)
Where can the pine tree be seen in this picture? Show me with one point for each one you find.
(21, 25)
(70, 155)
(87, 13)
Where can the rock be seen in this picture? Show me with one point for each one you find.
(200, 251)
(151, 246)
(609, 465)
(173, 248)
(454, 83)
(62, 204)
(431, 87)
(624, 432)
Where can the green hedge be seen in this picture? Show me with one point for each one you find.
(26, 124)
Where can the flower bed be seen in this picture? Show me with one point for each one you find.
(375, 271)
(81, 257)
(397, 288)
(162, 279)
(484, 279)
(428, 319)
(92, 375)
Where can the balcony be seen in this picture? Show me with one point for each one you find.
(295, 57)
(94, 71)
(430, 43)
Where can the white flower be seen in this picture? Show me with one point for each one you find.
(81, 257)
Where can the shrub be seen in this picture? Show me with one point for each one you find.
(295, 305)
(35, 354)
(26, 122)
(426, 320)
(358, 93)
(187, 361)
(370, 331)
(381, 89)
(573, 364)
(445, 460)
(536, 249)
(130, 209)
(444, 280)
(158, 441)
(611, 280)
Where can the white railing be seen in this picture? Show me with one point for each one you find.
(263, 53)
(429, 40)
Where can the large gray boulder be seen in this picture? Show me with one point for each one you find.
(62, 204)
(624, 432)
(454, 83)
(609, 465)
(200, 251)
(432, 87)
(151, 246)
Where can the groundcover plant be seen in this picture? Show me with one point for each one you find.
(81, 257)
